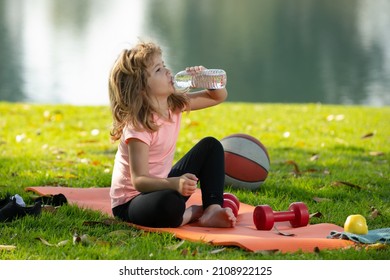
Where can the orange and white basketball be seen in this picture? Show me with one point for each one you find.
(246, 161)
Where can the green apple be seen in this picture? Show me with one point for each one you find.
(356, 224)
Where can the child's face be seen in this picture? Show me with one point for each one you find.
(160, 81)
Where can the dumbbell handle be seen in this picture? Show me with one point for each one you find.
(283, 216)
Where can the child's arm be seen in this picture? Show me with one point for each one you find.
(143, 182)
(205, 98)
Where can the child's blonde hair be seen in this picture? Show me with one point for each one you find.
(128, 90)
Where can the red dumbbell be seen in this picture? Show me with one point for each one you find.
(297, 214)
(233, 198)
(231, 201)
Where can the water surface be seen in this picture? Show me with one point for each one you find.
(298, 51)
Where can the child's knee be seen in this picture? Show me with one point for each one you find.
(213, 143)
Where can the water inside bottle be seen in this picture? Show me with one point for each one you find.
(210, 79)
(183, 80)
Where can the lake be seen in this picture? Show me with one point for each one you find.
(274, 51)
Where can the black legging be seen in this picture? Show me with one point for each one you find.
(166, 208)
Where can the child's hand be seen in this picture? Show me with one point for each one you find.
(195, 69)
(187, 184)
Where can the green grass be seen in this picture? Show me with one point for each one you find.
(70, 146)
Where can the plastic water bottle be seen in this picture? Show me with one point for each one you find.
(208, 78)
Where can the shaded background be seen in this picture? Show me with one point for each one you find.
(285, 51)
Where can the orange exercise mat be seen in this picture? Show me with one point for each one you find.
(244, 235)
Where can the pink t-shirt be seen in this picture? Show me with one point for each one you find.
(162, 145)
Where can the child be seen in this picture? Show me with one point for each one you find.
(146, 189)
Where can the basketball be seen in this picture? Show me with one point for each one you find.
(246, 161)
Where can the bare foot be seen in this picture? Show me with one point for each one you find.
(216, 216)
(192, 214)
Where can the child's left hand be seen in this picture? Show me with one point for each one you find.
(187, 184)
